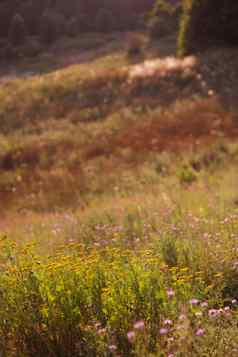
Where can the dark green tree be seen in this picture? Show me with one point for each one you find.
(206, 22)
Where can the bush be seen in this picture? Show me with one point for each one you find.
(53, 25)
(187, 175)
(17, 31)
(72, 27)
(135, 45)
(104, 21)
(32, 48)
(8, 52)
(205, 22)
(83, 23)
(154, 28)
(163, 19)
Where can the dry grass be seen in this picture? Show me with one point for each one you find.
(80, 127)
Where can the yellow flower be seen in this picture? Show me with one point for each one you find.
(218, 275)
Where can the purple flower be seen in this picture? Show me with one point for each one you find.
(182, 317)
(194, 301)
(170, 293)
(112, 348)
(168, 322)
(139, 325)
(163, 331)
(213, 313)
(200, 332)
(131, 336)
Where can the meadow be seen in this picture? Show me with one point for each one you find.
(119, 211)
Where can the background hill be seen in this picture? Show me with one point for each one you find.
(87, 14)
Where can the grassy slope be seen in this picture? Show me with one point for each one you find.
(127, 212)
(61, 130)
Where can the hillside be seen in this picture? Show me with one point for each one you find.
(118, 191)
(85, 113)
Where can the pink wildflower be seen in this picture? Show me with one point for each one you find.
(112, 348)
(194, 301)
(200, 332)
(163, 331)
(139, 325)
(131, 336)
(170, 293)
(213, 313)
(168, 322)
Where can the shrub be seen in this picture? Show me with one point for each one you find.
(187, 175)
(9, 52)
(52, 26)
(72, 27)
(83, 23)
(135, 45)
(104, 21)
(31, 48)
(160, 26)
(17, 31)
(205, 22)
(163, 19)
(3, 44)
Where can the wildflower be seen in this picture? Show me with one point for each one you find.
(234, 302)
(213, 313)
(227, 308)
(182, 317)
(194, 301)
(204, 304)
(200, 332)
(198, 314)
(170, 293)
(170, 339)
(168, 322)
(131, 336)
(163, 331)
(139, 325)
(112, 348)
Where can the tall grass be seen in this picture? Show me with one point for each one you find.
(158, 278)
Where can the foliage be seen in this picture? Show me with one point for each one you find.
(17, 31)
(187, 175)
(139, 287)
(205, 22)
(52, 26)
(72, 27)
(136, 45)
(124, 13)
(104, 21)
(163, 19)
